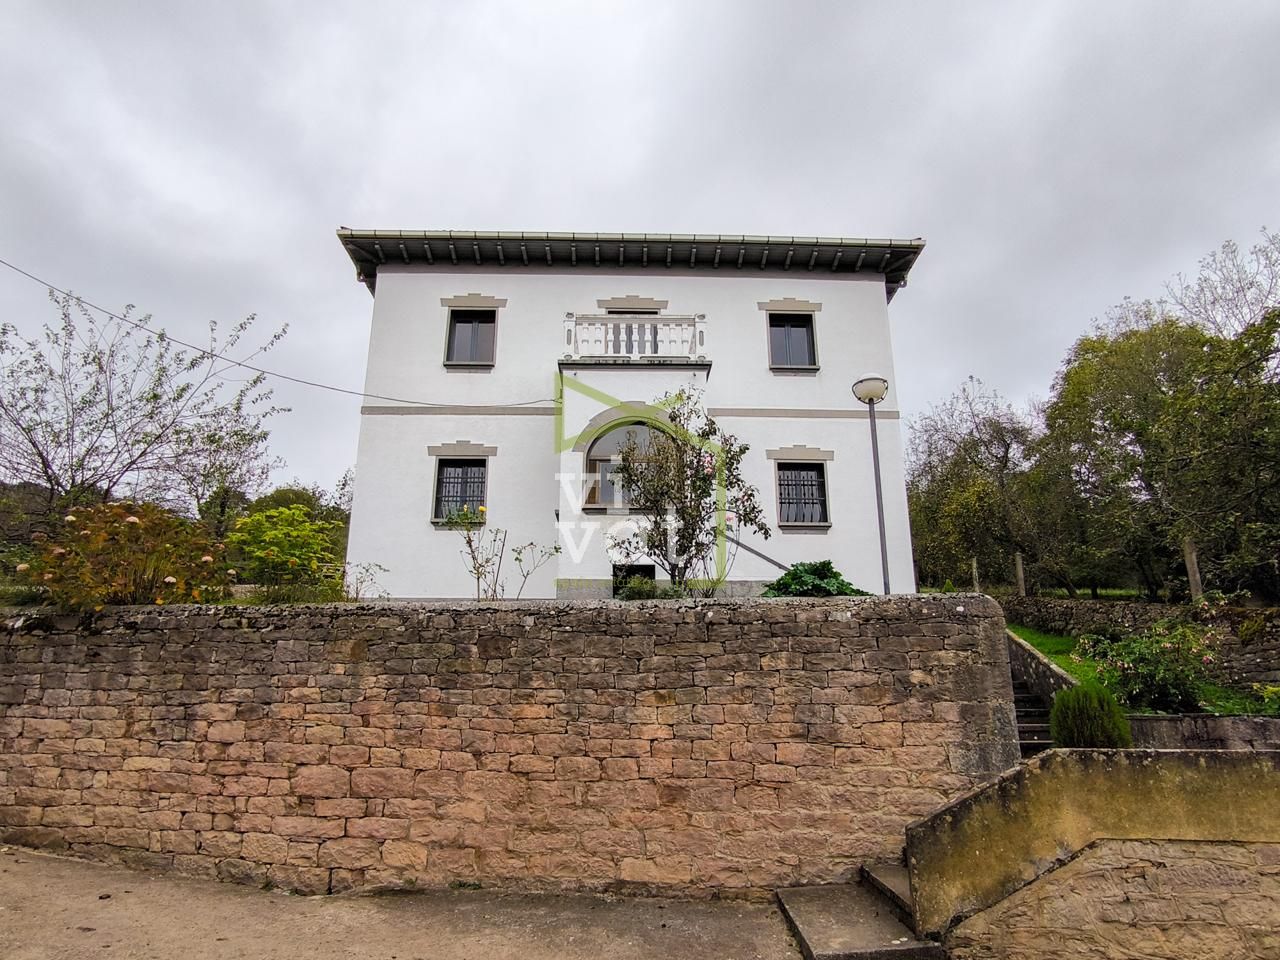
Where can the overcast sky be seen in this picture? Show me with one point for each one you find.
(195, 158)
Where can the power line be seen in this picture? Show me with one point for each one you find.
(249, 366)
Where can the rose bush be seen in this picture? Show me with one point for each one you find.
(1162, 668)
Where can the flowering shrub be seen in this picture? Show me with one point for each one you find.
(284, 545)
(1161, 669)
(126, 553)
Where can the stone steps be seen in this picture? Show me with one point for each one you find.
(1033, 720)
(854, 921)
(893, 883)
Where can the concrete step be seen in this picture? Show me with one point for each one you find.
(892, 882)
(845, 921)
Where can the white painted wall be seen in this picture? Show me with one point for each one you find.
(395, 475)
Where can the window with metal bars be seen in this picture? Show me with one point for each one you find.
(459, 483)
(802, 493)
(471, 336)
(791, 340)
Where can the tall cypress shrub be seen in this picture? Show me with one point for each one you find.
(1088, 716)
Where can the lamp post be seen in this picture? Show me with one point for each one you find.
(871, 389)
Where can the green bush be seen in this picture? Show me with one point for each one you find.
(1088, 716)
(817, 578)
(284, 545)
(1163, 668)
(644, 588)
(125, 553)
(322, 591)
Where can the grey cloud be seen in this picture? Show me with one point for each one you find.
(195, 158)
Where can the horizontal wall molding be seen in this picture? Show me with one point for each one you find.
(632, 302)
(474, 300)
(789, 305)
(800, 452)
(462, 448)
(461, 410)
(799, 413)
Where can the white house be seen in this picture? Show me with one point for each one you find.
(502, 365)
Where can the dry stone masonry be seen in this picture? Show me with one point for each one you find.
(1250, 647)
(709, 746)
(1154, 899)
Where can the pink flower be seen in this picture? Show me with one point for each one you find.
(206, 559)
(132, 519)
(23, 567)
(170, 579)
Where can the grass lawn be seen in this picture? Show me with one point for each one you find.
(1214, 698)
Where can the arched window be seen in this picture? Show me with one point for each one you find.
(603, 458)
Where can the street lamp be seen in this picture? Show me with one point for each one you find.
(871, 389)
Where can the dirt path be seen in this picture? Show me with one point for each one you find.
(52, 907)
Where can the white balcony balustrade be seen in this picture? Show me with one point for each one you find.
(634, 336)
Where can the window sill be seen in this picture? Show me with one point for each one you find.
(615, 511)
(440, 522)
(785, 527)
(470, 364)
(784, 368)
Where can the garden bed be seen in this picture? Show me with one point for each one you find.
(1214, 698)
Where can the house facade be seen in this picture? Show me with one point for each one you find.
(505, 370)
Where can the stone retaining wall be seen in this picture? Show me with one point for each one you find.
(1205, 731)
(1154, 899)
(691, 747)
(1250, 651)
(984, 847)
(1192, 731)
(1030, 666)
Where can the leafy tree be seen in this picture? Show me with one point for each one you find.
(1219, 470)
(1163, 428)
(284, 545)
(221, 509)
(331, 507)
(1108, 401)
(684, 484)
(97, 410)
(965, 458)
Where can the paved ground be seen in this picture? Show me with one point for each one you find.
(52, 907)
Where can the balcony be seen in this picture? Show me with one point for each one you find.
(635, 338)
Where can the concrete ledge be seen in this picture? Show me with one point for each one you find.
(982, 847)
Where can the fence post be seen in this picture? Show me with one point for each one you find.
(974, 566)
(1192, 560)
(1017, 571)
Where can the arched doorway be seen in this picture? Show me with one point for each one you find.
(602, 459)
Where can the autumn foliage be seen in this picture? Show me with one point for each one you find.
(127, 553)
